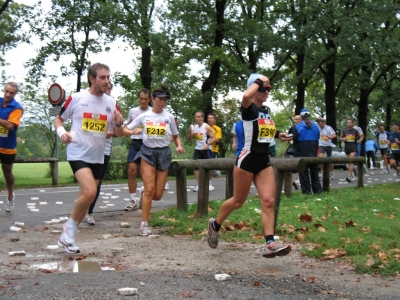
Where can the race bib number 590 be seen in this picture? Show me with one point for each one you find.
(266, 130)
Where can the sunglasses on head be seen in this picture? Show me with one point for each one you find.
(265, 88)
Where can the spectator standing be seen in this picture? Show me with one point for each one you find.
(10, 119)
(305, 141)
(93, 114)
(238, 137)
(371, 148)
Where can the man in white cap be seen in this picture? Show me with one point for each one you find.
(305, 144)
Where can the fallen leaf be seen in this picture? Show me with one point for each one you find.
(369, 262)
(349, 224)
(318, 225)
(321, 229)
(374, 247)
(305, 218)
(256, 283)
(382, 255)
(300, 236)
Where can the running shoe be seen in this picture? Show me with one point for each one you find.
(145, 230)
(372, 168)
(141, 197)
(196, 189)
(212, 235)
(210, 187)
(332, 176)
(9, 205)
(384, 172)
(131, 206)
(67, 239)
(276, 249)
(89, 219)
(350, 179)
(166, 186)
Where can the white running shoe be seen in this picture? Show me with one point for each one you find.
(144, 229)
(67, 239)
(166, 186)
(89, 219)
(196, 189)
(210, 187)
(9, 205)
(131, 206)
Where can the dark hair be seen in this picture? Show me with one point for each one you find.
(92, 71)
(211, 114)
(161, 91)
(144, 91)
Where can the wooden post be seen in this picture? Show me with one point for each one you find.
(360, 167)
(228, 183)
(203, 192)
(181, 190)
(54, 172)
(326, 177)
(288, 184)
(278, 191)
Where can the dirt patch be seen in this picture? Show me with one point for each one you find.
(123, 250)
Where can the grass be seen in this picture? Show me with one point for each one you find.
(360, 226)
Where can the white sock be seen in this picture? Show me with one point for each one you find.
(132, 196)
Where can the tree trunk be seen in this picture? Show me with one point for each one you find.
(300, 83)
(146, 70)
(330, 104)
(207, 88)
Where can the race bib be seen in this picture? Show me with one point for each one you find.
(199, 136)
(351, 137)
(3, 131)
(266, 130)
(156, 130)
(394, 146)
(382, 142)
(94, 124)
(324, 138)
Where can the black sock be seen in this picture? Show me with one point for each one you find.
(269, 239)
(216, 226)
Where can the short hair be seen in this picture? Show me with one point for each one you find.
(162, 89)
(211, 114)
(92, 71)
(321, 120)
(12, 84)
(381, 125)
(144, 91)
(351, 119)
(199, 112)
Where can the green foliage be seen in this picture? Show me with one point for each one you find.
(357, 225)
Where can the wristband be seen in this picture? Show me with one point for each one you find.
(259, 82)
(60, 131)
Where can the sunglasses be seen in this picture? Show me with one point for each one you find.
(265, 88)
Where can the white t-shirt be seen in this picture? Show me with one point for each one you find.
(324, 136)
(359, 130)
(92, 116)
(383, 140)
(157, 128)
(132, 115)
(200, 134)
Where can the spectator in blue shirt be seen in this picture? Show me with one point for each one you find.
(371, 148)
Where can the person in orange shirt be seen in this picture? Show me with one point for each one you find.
(10, 118)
